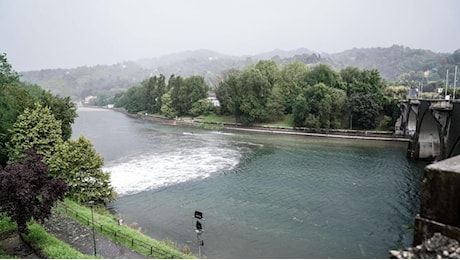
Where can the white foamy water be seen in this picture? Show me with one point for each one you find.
(154, 170)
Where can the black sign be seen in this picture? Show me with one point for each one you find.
(198, 226)
(198, 214)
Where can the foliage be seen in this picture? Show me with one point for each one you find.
(323, 73)
(7, 74)
(201, 107)
(27, 192)
(166, 106)
(248, 95)
(62, 109)
(51, 247)
(35, 129)
(16, 97)
(13, 101)
(291, 83)
(80, 166)
(321, 107)
(185, 92)
(364, 110)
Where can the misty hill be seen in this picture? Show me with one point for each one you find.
(83, 81)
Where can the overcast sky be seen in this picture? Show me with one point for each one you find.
(42, 34)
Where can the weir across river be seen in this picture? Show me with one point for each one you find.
(433, 127)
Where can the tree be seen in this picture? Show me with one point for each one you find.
(80, 166)
(322, 73)
(319, 106)
(364, 110)
(27, 191)
(7, 74)
(229, 94)
(257, 90)
(13, 101)
(201, 107)
(185, 92)
(35, 129)
(291, 83)
(166, 106)
(62, 109)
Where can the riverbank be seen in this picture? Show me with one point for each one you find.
(331, 133)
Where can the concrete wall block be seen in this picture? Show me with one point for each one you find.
(440, 198)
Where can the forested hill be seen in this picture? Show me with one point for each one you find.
(394, 63)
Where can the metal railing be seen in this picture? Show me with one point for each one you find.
(118, 236)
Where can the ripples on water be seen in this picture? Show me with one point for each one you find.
(263, 196)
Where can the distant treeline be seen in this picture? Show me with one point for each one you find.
(314, 96)
(397, 64)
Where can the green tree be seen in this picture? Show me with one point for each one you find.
(322, 73)
(185, 92)
(13, 101)
(257, 90)
(7, 74)
(229, 94)
(133, 100)
(201, 107)
(35, 129)
(291, 83)
(299, 110)
(364, 110)
(166, 106)
(62, 109)
(326, 104)
(80, 166)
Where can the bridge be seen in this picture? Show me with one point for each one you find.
(433, 126)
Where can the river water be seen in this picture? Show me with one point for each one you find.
(262, 195)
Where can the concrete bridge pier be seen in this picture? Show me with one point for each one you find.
(433, 127)
(440, 201)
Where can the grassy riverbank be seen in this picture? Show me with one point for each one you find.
(47, 246)
(44, 244)
(107, 225)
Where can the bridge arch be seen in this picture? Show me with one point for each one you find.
(429, 141)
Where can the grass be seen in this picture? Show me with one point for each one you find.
(125, 235)
(6, 225)
(49, 246)
(40, 240)
(212, 118)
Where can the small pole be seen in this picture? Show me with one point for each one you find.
(455, 80)
(447, 82)
(92, 221)
(199, 229)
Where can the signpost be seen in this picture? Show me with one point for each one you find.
(198, 225)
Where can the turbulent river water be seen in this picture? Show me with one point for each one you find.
(262, 195)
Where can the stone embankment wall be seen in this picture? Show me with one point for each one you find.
(437, 227)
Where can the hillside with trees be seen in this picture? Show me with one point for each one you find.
(398, 64)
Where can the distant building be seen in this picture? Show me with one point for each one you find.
(213, 99)
(88, 99)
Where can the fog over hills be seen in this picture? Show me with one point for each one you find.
(82, 81)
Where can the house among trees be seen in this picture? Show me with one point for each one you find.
(212, 98)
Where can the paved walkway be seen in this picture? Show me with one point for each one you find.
(80, 237)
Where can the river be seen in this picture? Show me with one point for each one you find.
(262, 195)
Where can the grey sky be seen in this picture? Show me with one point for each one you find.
(41, 34)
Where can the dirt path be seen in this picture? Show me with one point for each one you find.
(80, 237)
(14, 246)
